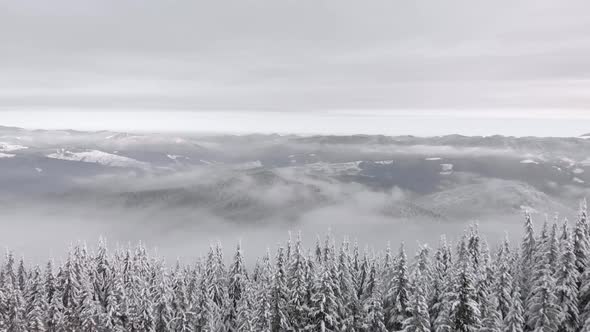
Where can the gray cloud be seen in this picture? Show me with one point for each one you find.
(292, 55)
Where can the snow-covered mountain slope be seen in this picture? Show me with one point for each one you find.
(98, 157)
(9, 147)
(268, 176)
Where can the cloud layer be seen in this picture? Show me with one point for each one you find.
(294, 55)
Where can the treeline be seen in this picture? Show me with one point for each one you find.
(541, 284)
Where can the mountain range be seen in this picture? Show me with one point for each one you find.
(274, 178)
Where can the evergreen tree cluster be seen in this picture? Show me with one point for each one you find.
(541, 285)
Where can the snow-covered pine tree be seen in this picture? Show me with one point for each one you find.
(238, 278)
(584, 214)
(372, 280)
(474, 248)
(419, 320)
(440, 284)
(70, 293)
(464, 309)
(374, 319)
(387, 269)
(484, 283)
(217, 277)
(422, 263)
(161, 293)
(396, 301)
(88, 310)
(279, 296)
(553, 247)
(350, 312)
(55, 310)
(361, 277)
(101, 273)
(21, 274)
(514, 319)
(182, 316)
(543, 311)
(581, 244)
(36, 302)
(205, 319)
(298, 288)
(324, 303)
(15, 319)
(490, 315)
(581, 252)
(503, 280)
(329, 250)
(567, 276)
(527, 256)
(245, 319)
(144, 319)
(262, 309)
(318, 250)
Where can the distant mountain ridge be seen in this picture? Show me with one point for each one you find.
(269, 177)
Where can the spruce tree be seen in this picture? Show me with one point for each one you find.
(263, 293)
(514, 320)
(419, 320)
(298, 288)
(491, 320)
(567, 276)
(542, 308)
(440, 285)
(527, 256)
(464, 309)
(238, 278)
(396, 301)
(324, 310)
(279, 296)
(36, 307)
(503, 280)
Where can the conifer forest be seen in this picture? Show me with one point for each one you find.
(540, 283)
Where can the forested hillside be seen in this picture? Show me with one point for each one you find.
(541, 283)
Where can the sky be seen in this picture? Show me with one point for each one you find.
(304, 66)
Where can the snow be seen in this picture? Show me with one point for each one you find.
(39, 170)
(528, 209)
(6, 155)
(585, 162)
(248, 165)
(384, 162)
(578, 171)
(433, 158)
(122, 136)
(529, 161)
(7, 147)
(578, 180)
(175, 157)
(98, 157)
(446, 169)
(568, 161)
(351, 167)
(557, 168)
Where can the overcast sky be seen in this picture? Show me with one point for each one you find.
(524, 57)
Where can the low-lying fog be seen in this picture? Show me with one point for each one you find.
(185, 235)
(181, 193)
